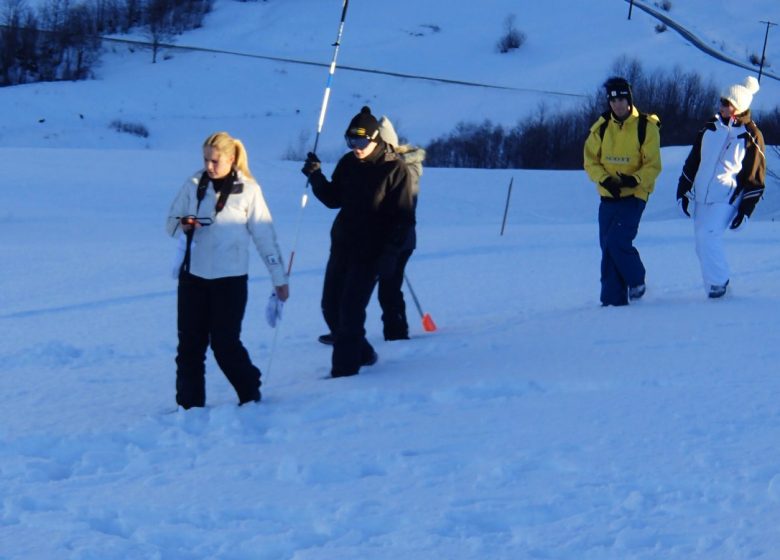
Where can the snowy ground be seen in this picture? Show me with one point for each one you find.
(532, 425)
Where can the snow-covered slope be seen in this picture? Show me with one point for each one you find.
(274, 106)
(532, 425)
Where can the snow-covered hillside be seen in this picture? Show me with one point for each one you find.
(570, 48)
(533, 424)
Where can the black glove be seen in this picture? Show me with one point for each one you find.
(612, 184)
(628, 181)
(683, 201)
(385, 265)
(739, 220)
(311, 165)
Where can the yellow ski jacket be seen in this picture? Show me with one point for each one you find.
(619, 151)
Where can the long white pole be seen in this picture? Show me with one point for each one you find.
(305, 196)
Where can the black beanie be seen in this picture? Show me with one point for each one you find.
(363, 124)
(618, 87)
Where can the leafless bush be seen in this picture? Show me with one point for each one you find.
(136, 129)
(299, 151)
(512, 38)
(682, 100)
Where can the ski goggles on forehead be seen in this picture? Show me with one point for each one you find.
(357, 142)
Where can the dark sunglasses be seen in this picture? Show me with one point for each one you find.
(357, 142)
(725, 102)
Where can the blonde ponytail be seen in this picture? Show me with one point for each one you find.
(225, 144)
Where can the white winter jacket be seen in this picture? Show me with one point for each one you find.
(726, 164)
(222, 248)
(722, 153)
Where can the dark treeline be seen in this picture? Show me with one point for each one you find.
(683, 101)
(61, 40)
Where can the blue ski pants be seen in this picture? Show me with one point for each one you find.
(621, 266)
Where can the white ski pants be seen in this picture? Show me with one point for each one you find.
(710, 221)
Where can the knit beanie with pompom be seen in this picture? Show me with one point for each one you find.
(741, 95)
(364, 124)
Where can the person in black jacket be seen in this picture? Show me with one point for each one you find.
(389, 288)
(371, 187)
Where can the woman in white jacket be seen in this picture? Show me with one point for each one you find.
(220, 209)
(724, 176)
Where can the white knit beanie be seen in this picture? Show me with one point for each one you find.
(741, 95)
(387, 132)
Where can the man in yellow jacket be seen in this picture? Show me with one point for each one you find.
(623, 157)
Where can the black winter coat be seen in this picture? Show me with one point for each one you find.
(376, 203)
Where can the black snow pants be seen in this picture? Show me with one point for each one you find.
(391, 299)
(211, 312)
(349, 282)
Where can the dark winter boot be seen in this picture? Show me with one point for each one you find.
(636, 292)
(370, 359)
(395, 326)
(326, 339)
(254, 399)
(342, 373)
(718, 291)
(397, 335)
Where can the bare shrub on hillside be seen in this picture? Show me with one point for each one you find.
(469, 145)
(60, 40)
(136, 129)
(755, 60)
(17, 42)
(682, 100)
(299, 151)
(167, 18)
(512, 38)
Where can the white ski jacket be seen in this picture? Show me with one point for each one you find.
(222, 249)
(718, 176)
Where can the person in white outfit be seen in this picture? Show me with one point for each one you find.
(723, 177)
(220, 209)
